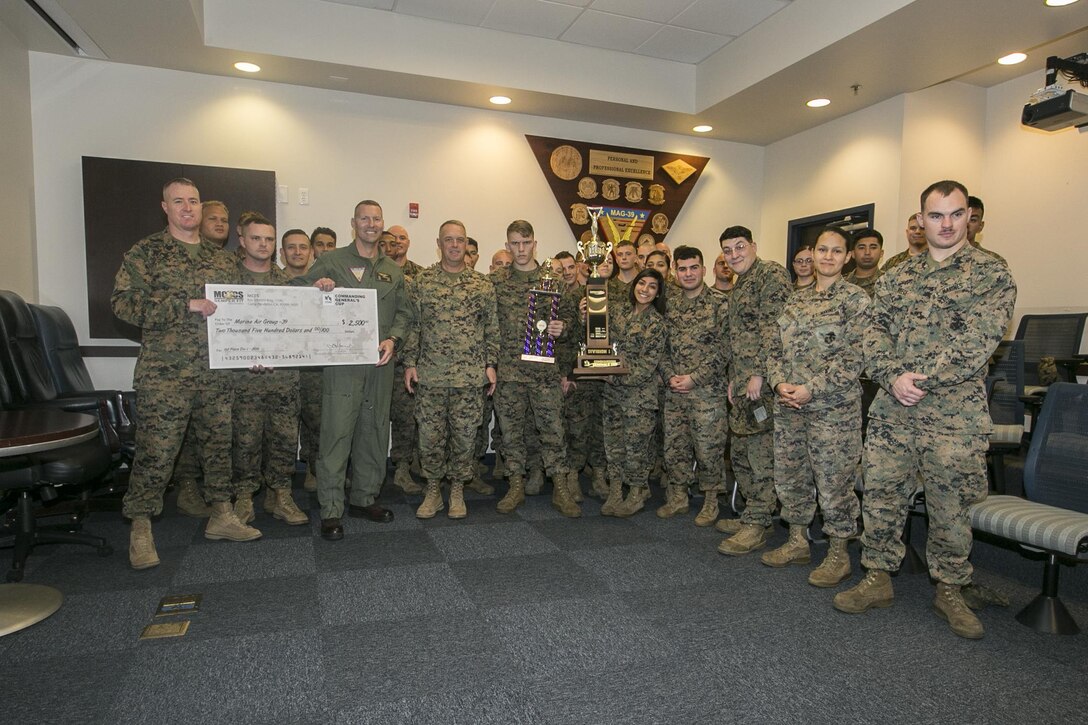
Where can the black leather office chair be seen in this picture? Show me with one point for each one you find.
(69, 374)
(1054, 518)
(1005, 387)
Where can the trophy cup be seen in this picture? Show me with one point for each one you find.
(599, 356)
(539, 346)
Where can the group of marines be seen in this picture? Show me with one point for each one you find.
(750, 361)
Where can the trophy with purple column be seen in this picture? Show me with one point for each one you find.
(538, 345)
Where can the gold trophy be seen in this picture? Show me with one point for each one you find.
(599, 356)
(538, 345)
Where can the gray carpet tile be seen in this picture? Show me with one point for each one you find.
(480, 511)
(462, 705)
(250, 607)
(533, 578)
(539, 508)
(247, 679)
(559, 637)
(482, 541)
(447, 652)
(62, 688)
(224, 561)
(571, 534)
(85, 624)
(641, 566)
(392, 593)
(78, 569)
(381, 548)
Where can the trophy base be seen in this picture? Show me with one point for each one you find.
(538, 358)
(598, 367)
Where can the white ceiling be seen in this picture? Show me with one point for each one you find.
(744, 66)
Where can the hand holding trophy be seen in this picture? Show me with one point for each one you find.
(598, 357)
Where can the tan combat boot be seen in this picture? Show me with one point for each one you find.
(432, 501)
(514, 497)
(243, 507)
(536, 482)
(457, 501)
(835, 567)
(574, 487)
(498, 471)
(635, 501)
(750, 538)
(403, 480)
(727, 526)
(950, 607)
(676, 502)
(708, 514)
(875, 590)
(599, 487)
(615, 498)
(281, 504)
(190, 502)
(478, 485)
(562, 501)
(310, 484)
(795, 551)
(225, 524)
(141, 545)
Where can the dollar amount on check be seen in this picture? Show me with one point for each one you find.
(291, 326)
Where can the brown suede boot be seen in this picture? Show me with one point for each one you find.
(795, 551)
(950, 607)
(751, 537)
(835, 568)
(141, 545)
(225, 524)
(708, 514)
(515, 495)
(676, 502)
(457, 502)
(874, 591)
(561, 498)
(432, 501)
(191, 502)
(615, 498)
(635, 502)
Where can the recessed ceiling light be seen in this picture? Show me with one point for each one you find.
(499, 100)
(1012, 58)
(818, 103)
(702, 129)
(1059, 3)
(247, 67)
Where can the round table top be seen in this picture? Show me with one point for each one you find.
(32, 430)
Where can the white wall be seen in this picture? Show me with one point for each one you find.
(1035, 185)
(17, 162)
(847, 162)
(469, 164)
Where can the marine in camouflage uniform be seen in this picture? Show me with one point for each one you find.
(402, 414)
(160, 281)
(582, 409)
(819, 443)
(449, 357)
(309, 390)
(529, 395)
(355, 398)
(694, 370)
(265, 423)
(867, 284)
(755, 305)
(939, 318)
(631, 401)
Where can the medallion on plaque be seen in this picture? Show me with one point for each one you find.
(598, 356)
(538, 345)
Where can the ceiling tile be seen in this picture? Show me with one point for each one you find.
(531, 17)
(462, 12)
(727, 17)
(603, 30)
(375, 4)
(659, 11)
(682, 45)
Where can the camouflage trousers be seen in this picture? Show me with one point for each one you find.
(525, 409)
(402, 416)
(486, 430)
(164, 413)
(585, 426)
(816, 453)
(187, 465)
(694, 445)
(309, 393)
(753, 465)
(447, 419)
(355, 425)
(265, 424)
(630, 415)
(953, 472)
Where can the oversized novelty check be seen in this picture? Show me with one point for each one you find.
(291, 326)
